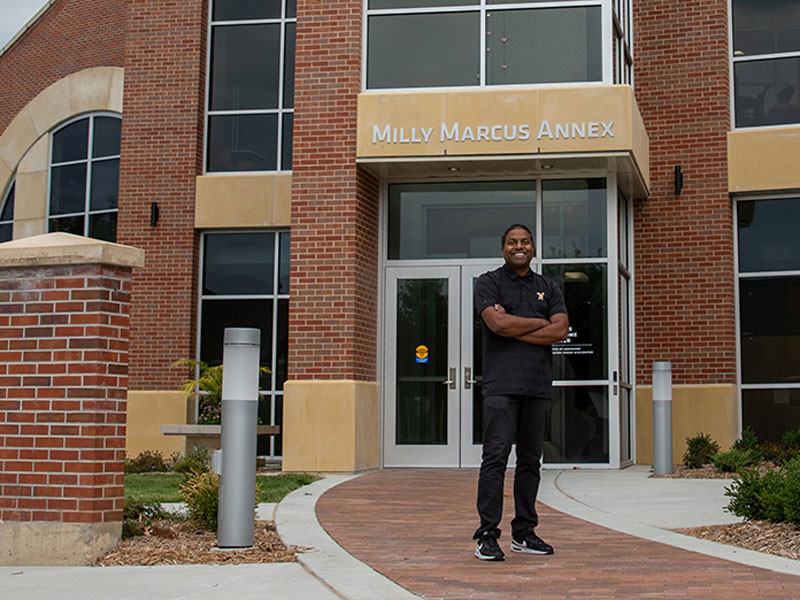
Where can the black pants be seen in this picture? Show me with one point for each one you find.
(505, 418)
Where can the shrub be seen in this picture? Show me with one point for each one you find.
(776, 453)
(196, 460)
(147, 462)
(734, 460)
(791, 440)
(699, 450)
(757, 497)
(200, 492)
(791, 471)
(137, 517)
(748, 441)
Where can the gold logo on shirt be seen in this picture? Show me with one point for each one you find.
(540, 295)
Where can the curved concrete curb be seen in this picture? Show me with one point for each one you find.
(553, 496)
(348, 577)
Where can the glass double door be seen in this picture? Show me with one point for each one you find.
(434, 410)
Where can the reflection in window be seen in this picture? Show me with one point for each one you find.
(456, 220)
(577, 428)
(251, 85)
(770, 413)
(574, 218)
(409, 46)
(84, 177)
(768, 239)
(7, 215)
(767, 84)
(239, 288)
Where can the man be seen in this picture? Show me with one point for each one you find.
(523, 314)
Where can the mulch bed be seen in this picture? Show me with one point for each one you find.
(780, 539)
(169, 542)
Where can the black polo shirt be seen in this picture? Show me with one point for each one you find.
(511, 366)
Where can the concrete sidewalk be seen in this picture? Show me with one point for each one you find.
(626, 501)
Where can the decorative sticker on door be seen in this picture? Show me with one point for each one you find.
(422, 354)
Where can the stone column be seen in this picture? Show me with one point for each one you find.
(64, 329)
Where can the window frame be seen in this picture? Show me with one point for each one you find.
(9, 196)
(609, 35)
(273, 393)
(734, 60)
(738, 311)
(89, 160)
(280, 111)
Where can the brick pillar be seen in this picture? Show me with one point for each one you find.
(331, 399)
(64, 328)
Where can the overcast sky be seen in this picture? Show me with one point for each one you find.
(14, 14)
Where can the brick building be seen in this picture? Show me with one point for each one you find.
(338, 173)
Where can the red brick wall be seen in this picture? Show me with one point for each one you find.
(63, 378)
(334, 273)
(685, 309)
(71, 36)
(162, 145)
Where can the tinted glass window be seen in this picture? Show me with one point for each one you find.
(105, 141)
(378, 4)
(242, 142)
(768, 237)
(767, 92)
(239, 263)
(583, 355)
(552, 45)
(574, 218)
(68, 189)
(765, 26)
(245, 66)
(770, 413)
(288, 65)
(234, 10)
(71, 142)
(577, 428)
(286, 144)
(7, 208)
(770, 329)
(423, 50)
(456, 220)
(105, 185)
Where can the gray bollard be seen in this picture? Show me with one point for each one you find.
(237, 485)
(662, 417)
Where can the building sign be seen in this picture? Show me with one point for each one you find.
(458, 132)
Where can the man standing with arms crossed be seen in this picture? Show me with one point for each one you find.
(523, 315)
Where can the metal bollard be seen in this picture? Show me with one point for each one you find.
(237, 483)
(662, 417)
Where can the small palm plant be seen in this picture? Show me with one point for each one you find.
(207, 388)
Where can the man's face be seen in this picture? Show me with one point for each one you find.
(518, 250)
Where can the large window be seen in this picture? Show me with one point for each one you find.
(245, 283)
(766, 62)
(84, 177)
(441, 43)
(7, 215)
(251, 85)
(769, 294)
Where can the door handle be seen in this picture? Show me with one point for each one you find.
(468, 380)
(452, 380)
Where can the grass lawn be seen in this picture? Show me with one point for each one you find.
(148, 488)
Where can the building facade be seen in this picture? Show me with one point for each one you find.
(337, 174)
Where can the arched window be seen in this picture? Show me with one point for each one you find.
(7, 215)
(84, 177)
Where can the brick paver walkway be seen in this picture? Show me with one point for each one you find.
(415, 527)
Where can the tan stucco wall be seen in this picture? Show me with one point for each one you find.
(330, 426)
(147, 412)
(430, 111)
(262, 200)
(24, 145)
(712, 409)
(38, 543)
(762, 160)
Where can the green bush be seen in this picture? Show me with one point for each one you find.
(196, 460)
(147, 462)
(771, 496)
(748, 441)
(791, 440)
(200, 492)
(791, 472)
(699, 450)
(136, 517)
(734, 460)
(776, 453)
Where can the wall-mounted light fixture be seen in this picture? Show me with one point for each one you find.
(153, 214)
(678, 180)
